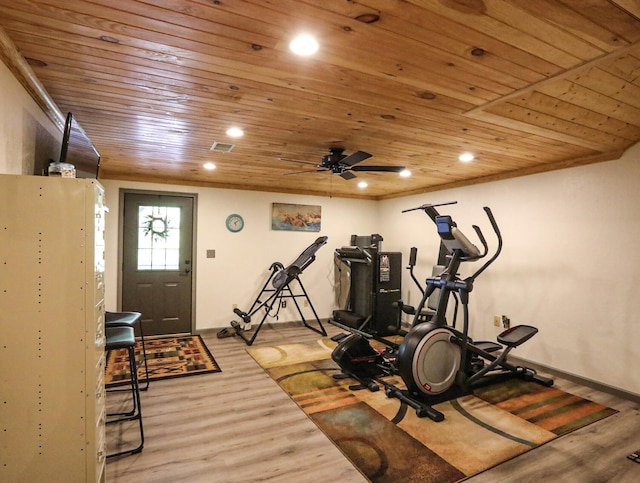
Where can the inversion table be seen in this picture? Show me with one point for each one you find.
(281, 279)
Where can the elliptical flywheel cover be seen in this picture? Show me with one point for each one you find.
(427, 359)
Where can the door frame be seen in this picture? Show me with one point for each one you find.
(194, 257)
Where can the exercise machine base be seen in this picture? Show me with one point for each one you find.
(360, 361)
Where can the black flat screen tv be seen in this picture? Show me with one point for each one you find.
(77, 149)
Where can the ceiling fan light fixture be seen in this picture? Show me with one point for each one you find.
(362, 184)
(466, 157)
(209, 166)
(405, 173)
(235, 132)
(304, 45)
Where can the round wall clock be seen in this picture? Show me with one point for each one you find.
(234, 223)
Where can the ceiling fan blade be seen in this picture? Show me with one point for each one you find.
(302, 172)
(389, 169)
(298, 161)
(347, 175)
(355, 158)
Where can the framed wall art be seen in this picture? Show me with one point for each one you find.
(294, 217)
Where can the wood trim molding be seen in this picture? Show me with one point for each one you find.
(21, 69)
(478, 110)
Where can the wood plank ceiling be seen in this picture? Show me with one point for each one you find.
(527, 86)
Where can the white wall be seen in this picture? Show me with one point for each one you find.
(241, 265)
(569, 264)
(24, 128)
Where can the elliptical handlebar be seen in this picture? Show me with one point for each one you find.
(412, 263)
(482, 240)
(496, 230)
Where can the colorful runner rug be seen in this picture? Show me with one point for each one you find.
(167, 357)
(635, 456)
(387, 442)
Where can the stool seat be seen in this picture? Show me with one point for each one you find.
(130, 319)
(119, 338)
(124, 318)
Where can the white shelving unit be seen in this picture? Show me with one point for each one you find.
(52, 399)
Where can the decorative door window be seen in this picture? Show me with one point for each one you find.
(158, 238)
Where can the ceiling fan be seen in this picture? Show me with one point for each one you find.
(339, 163)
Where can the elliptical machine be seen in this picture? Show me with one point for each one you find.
(438, 362)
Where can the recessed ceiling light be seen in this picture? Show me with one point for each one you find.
(466, 157)
(362, 184)
(304, 45)
(209, 166)
(235, 132)
(405, 173)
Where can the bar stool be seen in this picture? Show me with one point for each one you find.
(124, 338)
(130, 319)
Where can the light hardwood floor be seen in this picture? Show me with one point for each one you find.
(239, 426)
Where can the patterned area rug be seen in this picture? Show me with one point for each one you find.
(635, 456)
(167, 357)
(387, 442)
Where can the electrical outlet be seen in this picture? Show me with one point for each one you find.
(496, 320)
(283, 304)
(506, 323)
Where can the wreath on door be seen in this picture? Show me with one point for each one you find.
(157, 227)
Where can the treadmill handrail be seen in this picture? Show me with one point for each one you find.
(353, 254)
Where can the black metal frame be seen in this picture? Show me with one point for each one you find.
(281, 279)
(123, 338)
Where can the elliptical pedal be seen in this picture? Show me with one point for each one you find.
(517, 335)
(339, 337)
